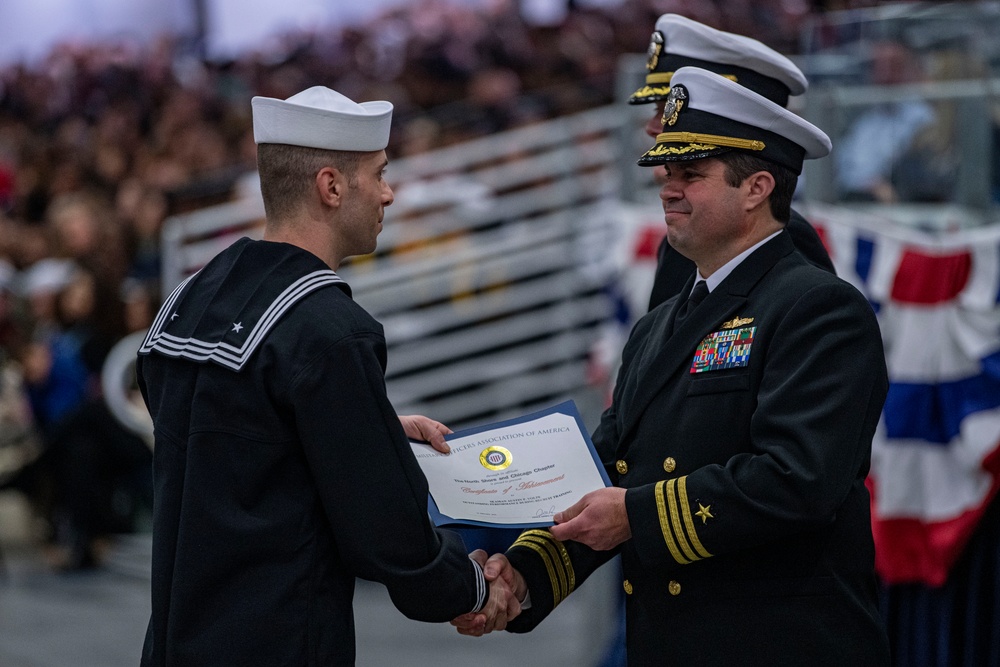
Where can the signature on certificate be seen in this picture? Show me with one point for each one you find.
(541, 512)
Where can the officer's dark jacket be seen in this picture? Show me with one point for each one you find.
(745, 463)
(281, 471)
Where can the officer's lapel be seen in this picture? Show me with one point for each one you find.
(652, 347)
(667, 356)
(659, 332)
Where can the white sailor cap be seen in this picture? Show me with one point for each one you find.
(707, 114)
(680, 42)
(46, 276)
(319, 117)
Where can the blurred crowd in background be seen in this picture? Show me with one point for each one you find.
(102, 142)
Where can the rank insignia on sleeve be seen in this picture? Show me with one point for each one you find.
(729, 348)
(704, 513)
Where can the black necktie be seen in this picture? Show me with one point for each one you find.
(698, 295)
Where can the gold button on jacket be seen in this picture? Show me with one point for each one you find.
(628, 587)
(621, 466)
(669, 464)
(674, 588)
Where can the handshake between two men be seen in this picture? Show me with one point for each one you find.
(598, 520)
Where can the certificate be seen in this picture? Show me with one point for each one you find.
(516, 473)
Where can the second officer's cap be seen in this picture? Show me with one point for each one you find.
(680, 42)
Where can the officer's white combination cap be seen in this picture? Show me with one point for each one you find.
(680, 42)
(707, 114)
(322, 118)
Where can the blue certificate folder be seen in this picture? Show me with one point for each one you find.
(566, 408)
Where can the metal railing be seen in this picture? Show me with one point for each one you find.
(491, 270)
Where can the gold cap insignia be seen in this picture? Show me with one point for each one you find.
(736, 322)
(703, 512)
(654, 51)
(674, 104)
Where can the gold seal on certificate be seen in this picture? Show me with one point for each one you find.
(516, 473)
(495, 458)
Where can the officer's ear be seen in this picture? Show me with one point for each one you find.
(758, 187)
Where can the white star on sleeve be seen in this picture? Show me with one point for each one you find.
(237, 326)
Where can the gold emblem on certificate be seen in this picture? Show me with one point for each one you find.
(495, 458)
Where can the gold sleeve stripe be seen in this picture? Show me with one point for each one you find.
(554, 544)
(688, 519)
(548, 566)
(675, 522)
(556, 560)
(535, 532)
(557, 565)
(668, 534)
(564, 556)
(559, 550)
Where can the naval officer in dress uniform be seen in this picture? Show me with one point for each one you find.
(680, 42)
(739, 436)
(281, 470)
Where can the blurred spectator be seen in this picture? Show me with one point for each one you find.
(879, 157)
(40, 285)
(85, 230)
(142, 210)
(20, 445)
(19, 441)
(91, 464)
